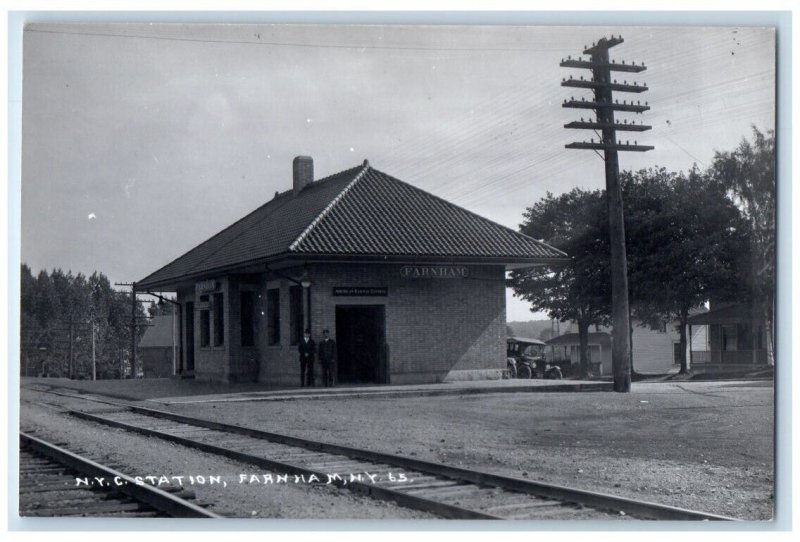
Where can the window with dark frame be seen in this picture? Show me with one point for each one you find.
(296, 314)
(273, 316)
(219, 320)
(205, 323)
(729, 337)
(247, 317)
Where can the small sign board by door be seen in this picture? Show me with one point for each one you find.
(363, 291)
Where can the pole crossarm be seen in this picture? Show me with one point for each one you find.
(602, 147)
(611, 66)
(603, 44)
(619, 126)
(581, 104)
(590, 84)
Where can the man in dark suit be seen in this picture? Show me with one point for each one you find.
(327, 358)
(307, 350)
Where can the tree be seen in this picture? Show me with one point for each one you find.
(685, 238)
(575, 222)
(748, 175)
(60, 313)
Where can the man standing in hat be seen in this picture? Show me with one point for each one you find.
(327, 358)
(307, 350)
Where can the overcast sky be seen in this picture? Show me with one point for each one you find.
(141, 141)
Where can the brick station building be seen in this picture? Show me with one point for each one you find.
(411, 287)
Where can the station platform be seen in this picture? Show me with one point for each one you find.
(390, 391)
(167, 391)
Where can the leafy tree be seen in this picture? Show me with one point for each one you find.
(748, 175)
(576, 223)
(684, 239)
(52, 303)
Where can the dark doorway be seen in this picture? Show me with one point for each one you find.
(360, 344)
(190, 336)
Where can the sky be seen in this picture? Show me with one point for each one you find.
(140, 141)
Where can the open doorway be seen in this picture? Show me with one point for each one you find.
(360, 343)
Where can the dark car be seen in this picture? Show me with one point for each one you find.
(525, 359)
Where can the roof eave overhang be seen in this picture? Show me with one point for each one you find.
(508, 261)
(173, 284)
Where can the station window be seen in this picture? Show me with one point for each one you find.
(296, 313)
(205, 327)
(246, 314)
(273, 316)
(219, 320)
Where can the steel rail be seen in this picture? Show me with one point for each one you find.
(157, 498)
(551, 491)
(602, 501)
(409, 501)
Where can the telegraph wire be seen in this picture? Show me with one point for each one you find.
(302, 45)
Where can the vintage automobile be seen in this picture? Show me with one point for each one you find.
(525, 359)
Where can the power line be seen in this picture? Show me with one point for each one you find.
(304, 45)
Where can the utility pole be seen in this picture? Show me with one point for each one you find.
(133, 330)
(71, 353)
(604, 106)
(94, 359)
(134, 325)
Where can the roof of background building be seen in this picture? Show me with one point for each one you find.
(360, 211)
(727, 314)
(524, 340)
(601, 338)
(159, 334)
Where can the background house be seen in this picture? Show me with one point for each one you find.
(158, 347)
(655, 351)
(567, 347)
(736, 339)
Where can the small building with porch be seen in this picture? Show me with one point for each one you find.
(736, 340)
(411, 287)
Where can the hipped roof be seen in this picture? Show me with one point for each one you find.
(362, 212)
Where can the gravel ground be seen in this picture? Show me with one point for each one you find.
(705, 446)
(143, 456)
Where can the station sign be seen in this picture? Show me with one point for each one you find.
(434, 272)
(365, 291)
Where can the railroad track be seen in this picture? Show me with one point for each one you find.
(48, 487)
(444, 490)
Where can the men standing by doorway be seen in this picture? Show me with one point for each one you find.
(307, 350)
(327, 358)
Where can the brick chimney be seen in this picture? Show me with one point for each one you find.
(302, 172)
